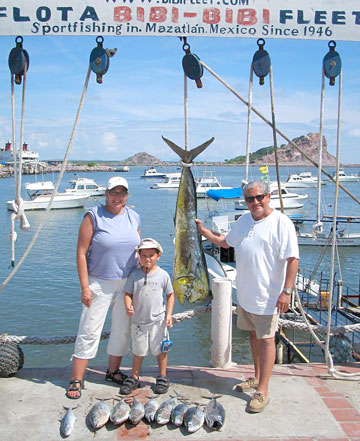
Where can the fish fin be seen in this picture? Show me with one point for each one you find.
(187, 156)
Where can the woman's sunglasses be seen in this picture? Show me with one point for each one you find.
(258, 197)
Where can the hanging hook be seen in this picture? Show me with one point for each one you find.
(99, 59)
(191, 64)
(332, 63)
(261, 61)
(18, 60)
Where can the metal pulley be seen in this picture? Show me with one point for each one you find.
(100, 59)
(191, 64)
(261, 61)
(332, 63)
(18, 60)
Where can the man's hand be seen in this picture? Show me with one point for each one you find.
(283, 302)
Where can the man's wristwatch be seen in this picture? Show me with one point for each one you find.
(287, 291)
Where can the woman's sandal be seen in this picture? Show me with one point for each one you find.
(110, 376)
(74, 386)
(162, 384)
(130, 384)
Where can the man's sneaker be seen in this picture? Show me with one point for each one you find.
(249, 383)
(258, 402)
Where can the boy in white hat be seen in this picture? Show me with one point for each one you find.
(144, 303)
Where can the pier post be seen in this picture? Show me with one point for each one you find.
(221, 323)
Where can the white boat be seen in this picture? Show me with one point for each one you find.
(151, 172)
(124, 168)
(28, 156)
(344, 238)
(301, 180)
(343, 177)
(208, 182)
(172, 180)
(290, 200)
(40, 195)
(82, 186)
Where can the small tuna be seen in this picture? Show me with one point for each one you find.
(190, 275)
(177, 414)
(120, 412)
(68, 422)
(194, 419)
(137, 412)
(163, 414)
(150, 409)
(214, 414)
(99, 414)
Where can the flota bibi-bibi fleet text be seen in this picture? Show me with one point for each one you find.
(168, 17)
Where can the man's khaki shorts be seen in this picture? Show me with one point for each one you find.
(264, 326)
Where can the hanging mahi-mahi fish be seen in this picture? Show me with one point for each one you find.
(190, 275)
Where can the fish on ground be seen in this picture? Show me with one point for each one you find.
(214, 414)
(177, 414)
(99, 414)
(190, 275)
(194, 418)
(68, 421)
(120, 412)
(137, 412)
(163, 414)
(150, 409)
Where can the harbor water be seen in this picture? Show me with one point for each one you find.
(43, 299)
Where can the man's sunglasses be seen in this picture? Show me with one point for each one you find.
(258, 197)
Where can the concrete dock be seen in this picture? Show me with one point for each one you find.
(306, 403)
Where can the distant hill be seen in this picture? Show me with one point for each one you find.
(288, 154)
(142, 158)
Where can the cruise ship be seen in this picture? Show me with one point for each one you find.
(7, 155)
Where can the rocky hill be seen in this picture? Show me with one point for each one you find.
(288, 154)
(142, 159)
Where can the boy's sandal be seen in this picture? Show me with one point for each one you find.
(110, 376)
(162, 384)
(74, 386)
(130, 384)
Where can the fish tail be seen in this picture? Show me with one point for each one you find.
(187, 156)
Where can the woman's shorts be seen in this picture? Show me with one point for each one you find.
(147, 338)
(264, 326)
(106, 294)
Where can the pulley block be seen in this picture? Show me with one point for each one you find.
(193, 69)
(99, 60)
(332, 63)
(18, 60)
(261, 62)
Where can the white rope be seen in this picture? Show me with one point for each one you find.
(260, 115)
(45, 217)
(186, 119)
(248, 133)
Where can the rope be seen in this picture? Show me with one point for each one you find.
(247, 160)
(45, 217)
(186, 119)
(260, 115)
(275, 140)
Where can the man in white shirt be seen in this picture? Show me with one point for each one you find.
(267, 257)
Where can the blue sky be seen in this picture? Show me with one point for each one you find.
(141, 97)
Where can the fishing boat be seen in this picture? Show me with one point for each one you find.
(343, 177)
(208, 182)
(302, 180)
(82, 186)
(40, 194)
(151, 172)
(172, 180)
(290, 200)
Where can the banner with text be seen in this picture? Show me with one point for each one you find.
(308, 19)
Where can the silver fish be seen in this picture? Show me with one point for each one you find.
(99, 414)
(163, 414)
(177, 414)
(190, 275)
(68, 422)
(120, 412)
(214, 414)
(137, 412)
(194, 419)
(150, 409)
